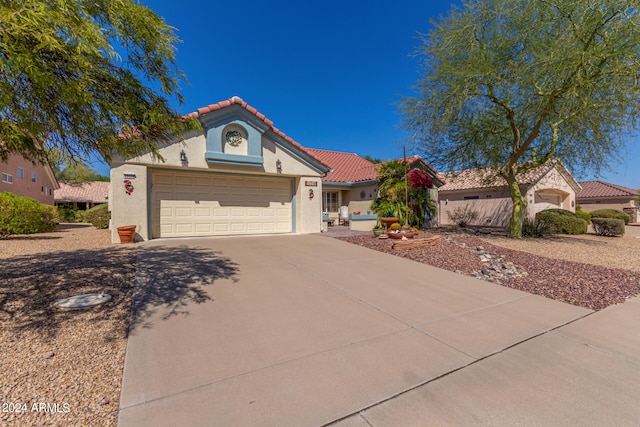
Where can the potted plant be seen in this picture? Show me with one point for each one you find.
(379, 229)
(400, 232)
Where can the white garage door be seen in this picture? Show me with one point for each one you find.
(207, 204)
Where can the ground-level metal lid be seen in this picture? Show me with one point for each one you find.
(81, 302)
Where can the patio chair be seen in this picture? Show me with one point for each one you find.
(343, 215)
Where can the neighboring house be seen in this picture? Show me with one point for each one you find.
(480, 190)
(352, 181)
(25, 178)
(239, 176)
(604, 195)
(83, 195)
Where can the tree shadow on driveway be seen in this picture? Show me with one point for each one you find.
(169, 279)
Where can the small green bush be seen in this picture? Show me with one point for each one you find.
(562, 221)
(608, 226)
(81, 216)
(611, 213)
(23, 215)
(584, 215)
(539, 227)
(66, 214)
(99, 216)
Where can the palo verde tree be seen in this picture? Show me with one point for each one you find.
(511, 84)
(82, 76)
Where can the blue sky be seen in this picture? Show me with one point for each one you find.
(327, 73)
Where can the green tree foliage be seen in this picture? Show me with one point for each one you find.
(393, 194)
(84, 76)
(23, 215)
(72, 171)
(511, 84)
(372, 159)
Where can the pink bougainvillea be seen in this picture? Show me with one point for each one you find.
(419, 179)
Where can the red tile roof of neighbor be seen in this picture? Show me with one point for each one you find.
(346, 167)
(94, 192)
(594, 189)
(486, 178)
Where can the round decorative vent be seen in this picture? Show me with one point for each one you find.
(233, 138)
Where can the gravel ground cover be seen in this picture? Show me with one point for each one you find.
(63, 368)
(571, 271)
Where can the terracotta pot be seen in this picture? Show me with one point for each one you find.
(388, 220)
(400, 235)
(377, 232)
(127, 233)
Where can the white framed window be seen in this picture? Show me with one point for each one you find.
(20, 173)
(329, 201)
(7, 178)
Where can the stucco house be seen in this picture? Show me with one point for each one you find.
(25, 178)
(545, 187)
(605, 195)
(240, 175)
(83, 195)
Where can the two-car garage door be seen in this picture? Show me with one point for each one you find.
(208, 204)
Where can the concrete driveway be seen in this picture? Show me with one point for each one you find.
(309, 331)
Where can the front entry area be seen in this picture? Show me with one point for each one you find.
(193, 204)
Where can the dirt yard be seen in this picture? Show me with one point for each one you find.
(63, 368)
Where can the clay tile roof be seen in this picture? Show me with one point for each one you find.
(596, 189)
(487, 178)
(94, 192)
(346, 167)
(236, 100)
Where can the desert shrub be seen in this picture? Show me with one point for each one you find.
(99, 216)
(81, 216)
(562, 221)
(608, 226)
(66, 214)
(611, 213)
(462, 216)
(539, 227)
(584, 215)
(23, 215)
(395, 226)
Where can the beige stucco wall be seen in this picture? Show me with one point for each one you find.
(129, 209)
(609, 203)
(493, 206)
(308, 210)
